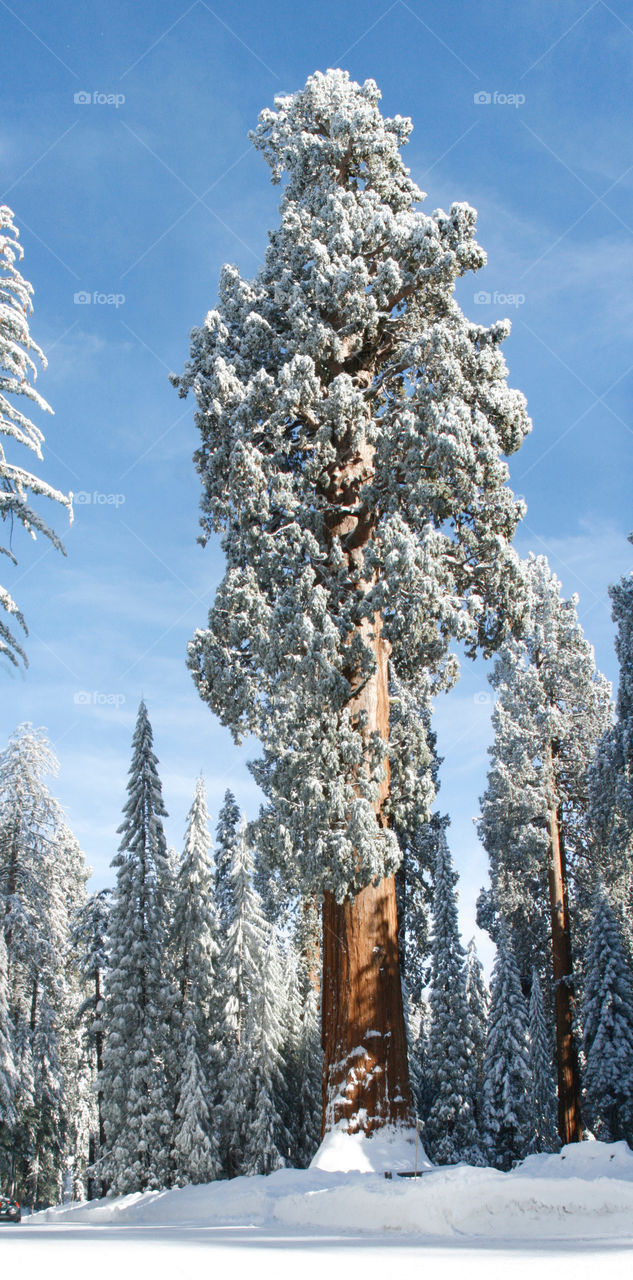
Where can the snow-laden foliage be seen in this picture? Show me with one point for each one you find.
(478, 1000)
(353, 424)
(226, 840)
(507, 1095)
(18, 372)
(545, 1133)
(608, 1027)
(301, 1061)
(611, 776)
(137, 1079)
(42, 886)
(267, 1139)
(450, 1131)
(551, 708)
(195, 951)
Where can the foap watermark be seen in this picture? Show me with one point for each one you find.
(98, 99)
(484, 299)
(85, 298)
(97, 499)
(85, 698)
(484, 99)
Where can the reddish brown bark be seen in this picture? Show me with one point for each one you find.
(569, 1115)
(365, 1069)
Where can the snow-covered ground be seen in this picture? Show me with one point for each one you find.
(567, 1215)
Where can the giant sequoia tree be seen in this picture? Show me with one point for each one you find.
(352, 423)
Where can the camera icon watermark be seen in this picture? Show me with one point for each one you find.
(96, 499)
(85, 99)
(483, 699)
(83, 298)
(484, 299)
(484, 99)
(84, 698)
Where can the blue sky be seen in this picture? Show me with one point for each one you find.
(136, 196)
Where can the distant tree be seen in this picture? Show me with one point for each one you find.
(226, 840)
(608, 1027)
(450, 1131)
(354, 426)
(195, 1151)
(301, 1060)
(17, 375)
(136, 1082)
(89, 939)
(507, 1099)
(478, 1001)
(545, 1135)
(267, 1139)
(552, 707)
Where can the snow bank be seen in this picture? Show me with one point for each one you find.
(387, 1149)
(583, 1193)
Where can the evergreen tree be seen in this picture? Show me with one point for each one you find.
(608, 1027)
(478, 1000)
(507, 1101)
(551, 710)
(353, 431)
(136, 1084)
(241, 967)
(195, 945)
(301, 1059)
(267, 1139)
(450, 1133)
(18, 372)
(226, 842)
(545, 1136)
(8, 1116)
(89, 939)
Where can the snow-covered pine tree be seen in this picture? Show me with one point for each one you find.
(301, 1060)
(42, 885)
(478, 1000)
(545, 1135)
(267, 1140)
(89, 940)
(137, 1083)
(353, 427)
(552, 707)
(450, 1132)
(18, 372)
(507, 1096)
(608, 1027)
(240, 968)
(611, 775)
(226, 841)
(195, 949)
(8, 1115)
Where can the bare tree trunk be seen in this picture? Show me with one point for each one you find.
(569, 1116)
(365, 1063)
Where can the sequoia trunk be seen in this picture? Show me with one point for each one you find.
(569, 1117)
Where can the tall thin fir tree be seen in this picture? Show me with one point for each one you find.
(354, 426)
(137, 1060)
(608, 1026)
(611, 775)
(89, 940)
(301, 1060)
(545, 1134)
(478, 1001)
(267, 1139)
(226, 841)
(18, 372)
(240, 966)
(507, 1096)
(552, 708)
(196, 1156)
(450, 1132)
(8, 1072)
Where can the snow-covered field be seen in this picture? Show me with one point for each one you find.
(566, 1215)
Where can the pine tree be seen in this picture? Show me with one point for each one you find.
(478, 1000)
(507, 1102)
(42, 885)
(89, 939)
(136, 1084)
(301, 1058)
(18, 372)
(267, 1139)
(551, 710)
(241, 966)
(195, 947)
(353, 428)
(450, 1133)
(608, 1027)
(8, 1073)
(545, 1136)
(226, 841)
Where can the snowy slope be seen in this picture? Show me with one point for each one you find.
(583, 1194)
